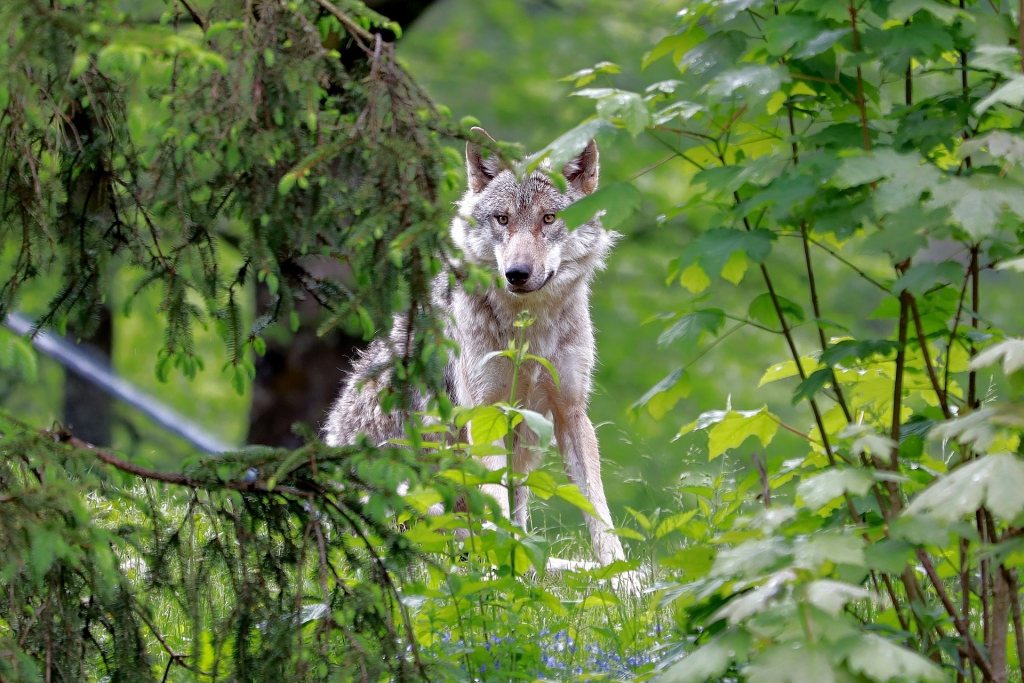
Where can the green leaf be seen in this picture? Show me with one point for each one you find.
(538, 424)
(571, 494)
(628, 108)
(1011, 93)
(832, 596)
(786, 30)
(837, 547)
(796, 662)
(611, 203)
(744, 605)
(691, 329)
(488, 424)
(922, 277)
(694, 562)
(888, 555)
(762, 309)
(712, 250)
(673, 523)
(547, 366)
(541, 483)
(818, 491)
(564, 148)
(641, 519)
(995, 481)
(755, 81)
(1011, 351)
(857, 350)
(710, 661)
(749, 558)
(664, 395)
(812, 385)
(882, 661)
(677, 44)
(787, 369)
(736, 427)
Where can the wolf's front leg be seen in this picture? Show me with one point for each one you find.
(578, 443)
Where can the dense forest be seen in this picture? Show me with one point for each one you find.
(808, 396)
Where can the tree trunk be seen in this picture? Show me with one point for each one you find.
(87, 408)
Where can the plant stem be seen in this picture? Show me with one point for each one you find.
(923, 343)
(972, 378)
(817, 317)
(962, 626)
(860, 80)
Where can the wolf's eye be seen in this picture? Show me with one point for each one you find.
(549, 218)
(502, 219)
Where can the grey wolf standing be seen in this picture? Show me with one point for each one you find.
(513, 228)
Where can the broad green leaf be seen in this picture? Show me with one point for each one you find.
(1010, 351)
(821, 489)
(762, 309)
(922, 277)
(836, 547)
(786, 30)
(488, 424)
(735, 268)
(600, 599)
(995, 481)
(749, 558)
(611, 203)
(856, 350)
(664, 395)
(641, 519)
(694, 279)
(571, 494)
(675, 44)
(749, 81)
(712, 250)
(814, 383)
(1011, 93)
(694, 562)
(745, 605)
(788, 369)
(736, 428)
(691, 329)
(796, 662)
(538, 424)
(564, 148)
(711, 660)
(541, 483)
(670, 524)
(888, 555)
(832, 596)
(628, 108)
(981, 428)
(901, 10)
(882, 661)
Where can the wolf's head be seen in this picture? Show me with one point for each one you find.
(515, 228)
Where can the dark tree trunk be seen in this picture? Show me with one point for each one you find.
(87, 408)
(297, 378)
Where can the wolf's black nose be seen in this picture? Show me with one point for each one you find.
(518, 274)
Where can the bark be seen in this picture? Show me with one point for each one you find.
(1000, 625)
(87, 408)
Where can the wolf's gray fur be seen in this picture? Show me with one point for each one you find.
(511, 227)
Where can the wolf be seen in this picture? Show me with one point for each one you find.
(512, 227)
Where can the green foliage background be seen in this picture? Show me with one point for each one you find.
(876, 536)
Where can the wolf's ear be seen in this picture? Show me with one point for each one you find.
(480, 171)
(581, 173)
